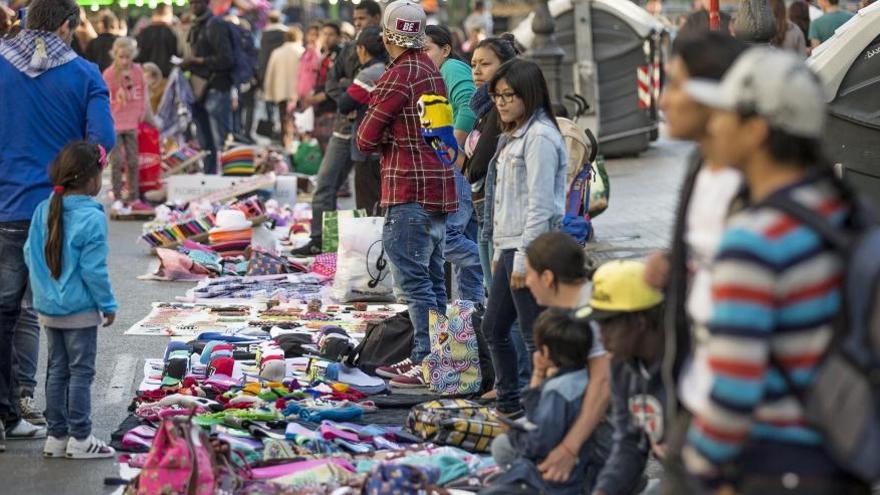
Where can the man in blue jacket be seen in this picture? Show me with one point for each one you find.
(49, 96)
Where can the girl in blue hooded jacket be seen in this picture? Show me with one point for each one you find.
(66, 253)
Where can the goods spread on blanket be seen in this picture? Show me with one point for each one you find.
(295, 416)
(198, 218)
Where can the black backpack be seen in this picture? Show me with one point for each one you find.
(386, 342)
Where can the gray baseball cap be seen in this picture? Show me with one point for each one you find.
(404, 24)
(773, 84)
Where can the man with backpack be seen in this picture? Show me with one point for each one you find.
(776, 286)
(211, 66)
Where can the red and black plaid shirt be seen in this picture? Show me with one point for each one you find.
(411, 172)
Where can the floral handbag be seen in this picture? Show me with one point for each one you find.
(181, 461)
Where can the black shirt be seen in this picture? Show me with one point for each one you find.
(157, 43)
(211, 40)
(99, 50)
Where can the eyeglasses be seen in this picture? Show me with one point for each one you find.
(505, 97)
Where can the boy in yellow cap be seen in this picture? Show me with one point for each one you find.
(630, 315)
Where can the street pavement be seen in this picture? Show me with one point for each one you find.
(638, 221)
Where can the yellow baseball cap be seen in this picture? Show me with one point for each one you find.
(620, 287)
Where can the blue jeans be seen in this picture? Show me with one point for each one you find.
(27, 346)
(505, 306)
(69, 381)
(413, 239)
(334, 171)
(461, 246)
(13, 283)
(213, 119)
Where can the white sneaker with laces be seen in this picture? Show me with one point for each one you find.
(90, 448)
(55, 447)
(26, 431)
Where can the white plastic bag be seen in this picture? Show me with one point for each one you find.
(362, 268)
(304, 121)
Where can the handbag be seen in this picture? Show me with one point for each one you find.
(199, 87)
(455, 422)
(453, 365)
(181, 460)
(386, 342)
(330, 230)
(262, 262)
(266, 128)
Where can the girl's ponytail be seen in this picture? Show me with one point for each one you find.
(76, 165)
(55, 239)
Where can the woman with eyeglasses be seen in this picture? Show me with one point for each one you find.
(525, 197)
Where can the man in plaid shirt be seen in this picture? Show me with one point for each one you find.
(417, 189)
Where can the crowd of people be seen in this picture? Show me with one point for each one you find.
(697, 356)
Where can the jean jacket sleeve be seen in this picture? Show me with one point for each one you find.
(629, 453)
(547, 411)
(540, 181)
(93, 261)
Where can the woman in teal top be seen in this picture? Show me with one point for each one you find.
(461, 226)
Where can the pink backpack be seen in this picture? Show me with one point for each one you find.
(181, 461)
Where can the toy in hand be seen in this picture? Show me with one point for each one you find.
(435, 113)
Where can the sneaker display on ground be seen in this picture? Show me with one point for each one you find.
(55, 447)
(30, 412)
(414, 378)
(24, 430)
(313, 248)
(395, 370)
(90, 448)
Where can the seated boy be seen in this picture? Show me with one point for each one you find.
(552, 404)
(630, 316)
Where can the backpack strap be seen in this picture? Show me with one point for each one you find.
(840, 241)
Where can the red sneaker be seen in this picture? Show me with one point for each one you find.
(141, 206)
(395, 370)
(414, 378)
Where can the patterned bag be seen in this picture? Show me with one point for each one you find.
(262, 262)
(180, 461)
(392, 479)
(453, 366)
(456, 422)
(330, 230)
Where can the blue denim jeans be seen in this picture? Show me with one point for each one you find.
(27, 346)
(334, 171)
(69, 381)
(413, 239)
(505, 306)
(13, 283)
(213, 119)
(461, 246)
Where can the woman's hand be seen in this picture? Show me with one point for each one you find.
(517, 281)
(558, 464)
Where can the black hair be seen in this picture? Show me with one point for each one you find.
(648, 320)
(108, 20)
(441, 36)
(787, 148)
(332, 25)
(562, 255)
(371, 39)
(373, 9)
(708, 55)
(49, 15)
(77, 164)
(504, 46)
(526, 80)
(568, 339)
(479, 5)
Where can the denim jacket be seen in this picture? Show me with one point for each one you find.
(84, 284)
(525, 187)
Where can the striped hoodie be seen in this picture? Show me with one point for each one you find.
(776, 287)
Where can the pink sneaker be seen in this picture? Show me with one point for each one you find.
(395, 370)
(140, 206)
(414, 378)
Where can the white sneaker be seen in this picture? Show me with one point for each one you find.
(55, 447)
(120, 208)
(26, 431)
(90, 448)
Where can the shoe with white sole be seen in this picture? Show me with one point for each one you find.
(90, 448)
(30, 412)
(414, 378)
(396, 369)
(55, 447)
(24, 430)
